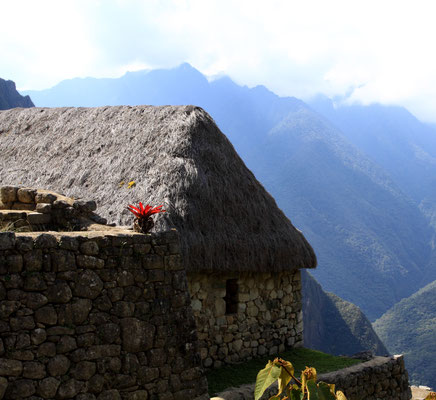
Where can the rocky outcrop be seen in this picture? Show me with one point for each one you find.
(335, 326)
(10, 98)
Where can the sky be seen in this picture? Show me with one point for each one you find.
(371, 51)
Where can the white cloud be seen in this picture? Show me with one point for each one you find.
(299, 48)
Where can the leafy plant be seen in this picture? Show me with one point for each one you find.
(289, 387)
(143, 222)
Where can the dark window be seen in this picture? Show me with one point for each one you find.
(231, 298)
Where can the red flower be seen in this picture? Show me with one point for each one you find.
(144, 212)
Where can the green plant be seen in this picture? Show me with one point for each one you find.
(11, 226)
(233, 375)
(289, 387)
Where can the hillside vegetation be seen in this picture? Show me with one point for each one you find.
(410, 328)
(335, 326)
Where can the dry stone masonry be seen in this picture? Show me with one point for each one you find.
(266, 319)
(27, 209)
(91, 311)
(96, 315)
(382, 378)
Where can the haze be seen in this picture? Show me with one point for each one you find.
(355, 51)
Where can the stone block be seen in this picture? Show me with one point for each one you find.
(43, 208)
(34, 370)
(62, 260)
(26, 195)
(89, 262)
(84, 370)
(111, 394)
(21, 389)
(152, 261)
(136, 335)
(3, 386)
(138, 395)
(46, 315)
(60, 292)
(10, 367)
(23, 206)
(69, 389)
(47, 349)
(69, 243)
(88, 285)
(44, 240)
(125, 278)
(8, 194)
(7, 240)
(14, 262)
(89, 248)
(58, 365)
(45, 197)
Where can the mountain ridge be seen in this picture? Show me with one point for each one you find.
(10, 98)
(371, 240)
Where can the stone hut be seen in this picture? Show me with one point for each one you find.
(241, 253)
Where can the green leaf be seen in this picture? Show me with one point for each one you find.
(265, 378)
(295, 394)
(312, 389)
(340, 395)
(284, 377)
(325, 392)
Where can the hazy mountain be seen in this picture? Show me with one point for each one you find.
(410, 328)
(10, 98)
(371, 240)
(335, 326)
(396, 140)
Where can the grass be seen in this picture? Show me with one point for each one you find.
(240, 374)
(10, 227)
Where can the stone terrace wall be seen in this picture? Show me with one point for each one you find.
(40, 210)
(382, 378)
(89, 315)
(268, 318)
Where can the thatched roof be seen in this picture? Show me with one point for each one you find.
(177, 157)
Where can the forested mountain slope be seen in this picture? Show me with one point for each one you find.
(333, 325)
(410, 328)
(396, 140)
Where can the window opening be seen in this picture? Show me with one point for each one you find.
(232, 289)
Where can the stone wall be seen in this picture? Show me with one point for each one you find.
(382, 378)
(268, 317)
(28, 209)
(89, 315)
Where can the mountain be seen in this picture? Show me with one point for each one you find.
(335, 326)
(410, 328)
(10, 98)
(371, 239)
(404, 146)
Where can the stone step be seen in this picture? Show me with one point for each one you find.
(23, 219)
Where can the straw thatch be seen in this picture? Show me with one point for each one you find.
(177, 157)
